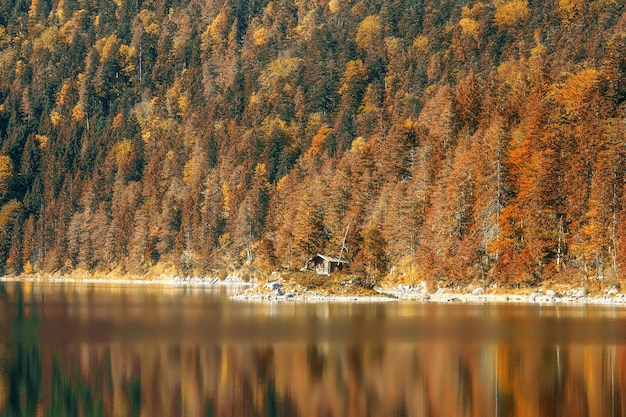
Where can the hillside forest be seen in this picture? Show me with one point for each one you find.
(453, 140)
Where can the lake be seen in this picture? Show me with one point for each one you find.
(150, 350)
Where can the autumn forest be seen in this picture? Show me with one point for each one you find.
(447, 140)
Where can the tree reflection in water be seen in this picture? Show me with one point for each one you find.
(65, 353)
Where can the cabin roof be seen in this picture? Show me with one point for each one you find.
(331, 258)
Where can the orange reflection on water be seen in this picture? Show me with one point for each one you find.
(315, 380)
(159, 351)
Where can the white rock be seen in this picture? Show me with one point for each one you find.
(478, 291)
(274, 285)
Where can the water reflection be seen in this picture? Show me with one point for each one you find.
(150, 351)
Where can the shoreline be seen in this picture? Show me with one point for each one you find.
(442, 298)
(258, 292)
(439, 298)
(169, 281)
(272, 292)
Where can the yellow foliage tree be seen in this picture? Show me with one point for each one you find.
(47, 40)
(227, 196)
(333, 5)
(567, 11)
(278, 69)
(183, 103)
(63, 94)
(214, 33)
(5, 38)
(306, 27)
(32, 10)
(393, 45)
(355, 72)
(122, 151)
(369, 31)
(420, 44)
(319, 140)
(71, 29)
(575, 90)
(357, 145)
(469, 27)
(512, 13)
(78, 112)
(474, 12)
(55, 118)
(110, 47)
(128, 57)
(60, 11)
(8, 212)
(188, 170)
(261, 36)
(42, 140)
(6, 172)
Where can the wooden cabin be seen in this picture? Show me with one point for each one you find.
(325, 264)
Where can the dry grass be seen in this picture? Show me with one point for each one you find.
(334, 284)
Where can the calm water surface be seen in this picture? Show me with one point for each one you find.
(116, 350)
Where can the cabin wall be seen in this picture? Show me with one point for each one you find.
(323, 268)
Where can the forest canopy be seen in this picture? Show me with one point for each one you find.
(455, 140)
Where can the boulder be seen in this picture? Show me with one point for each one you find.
(275, 286)
(580, 292)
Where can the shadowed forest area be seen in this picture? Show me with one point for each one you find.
(458, 140)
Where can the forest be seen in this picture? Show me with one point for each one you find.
(448, 140)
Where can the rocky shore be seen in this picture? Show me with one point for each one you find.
(275, 291)
(310, 287)
(279, 290)
(480, 295)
